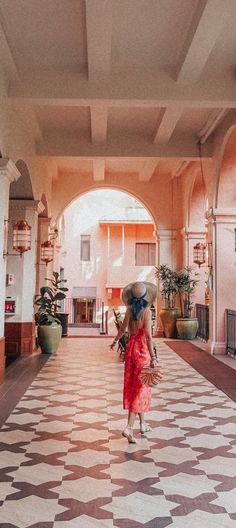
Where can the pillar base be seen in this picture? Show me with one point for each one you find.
(19, 340)
(2, 359)
(217, 348)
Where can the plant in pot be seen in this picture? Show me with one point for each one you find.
(169, 291)
(186, 325)
(48, 323)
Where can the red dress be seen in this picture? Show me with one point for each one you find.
(136, 395)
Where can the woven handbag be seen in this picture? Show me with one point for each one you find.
(150, 376)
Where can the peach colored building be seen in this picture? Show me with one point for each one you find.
(108, 241)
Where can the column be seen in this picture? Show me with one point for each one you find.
(20, 327)
(191, 237)
(122, 245)
(42, 271)
(8, 174)
(167, 241)
(222, 223)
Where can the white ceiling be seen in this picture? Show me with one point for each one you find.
(120, 85)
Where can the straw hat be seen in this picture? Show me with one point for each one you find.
(138, 290)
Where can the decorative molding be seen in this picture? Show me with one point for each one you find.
(33, 205)
(189, 233)
(165, 234)
(221, 216)
(9, 170)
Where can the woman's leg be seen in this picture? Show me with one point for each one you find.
(144, 428)
(131, 419)
(141, 417)
(128, 430)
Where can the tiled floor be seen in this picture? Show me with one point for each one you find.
(64, 463)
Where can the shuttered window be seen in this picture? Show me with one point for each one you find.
(145, 254)
(85, 247)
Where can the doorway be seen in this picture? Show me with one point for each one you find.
(84, 311)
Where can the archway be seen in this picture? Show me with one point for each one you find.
(22, 189)
(108, 242)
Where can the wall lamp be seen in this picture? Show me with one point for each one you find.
(47, 247)
(21, 238)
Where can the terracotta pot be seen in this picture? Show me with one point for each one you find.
(168, 318)
(187, 328)
(49, 338)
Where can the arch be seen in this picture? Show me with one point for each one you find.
(197, 202)
(226, 174)
(22, 189)
(105, 187)
(222, 138)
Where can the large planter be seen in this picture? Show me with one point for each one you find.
(64, 322)
(187, 328)
(168, 318)
(49, 337)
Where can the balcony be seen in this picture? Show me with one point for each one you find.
(119, 276)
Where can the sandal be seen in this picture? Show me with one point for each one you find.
(128, 433)
(145, 428)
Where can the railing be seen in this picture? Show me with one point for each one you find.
(231, 332)
(202, 314)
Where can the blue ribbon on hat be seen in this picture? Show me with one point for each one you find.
(137, 305)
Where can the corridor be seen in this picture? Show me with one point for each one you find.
(64, 463)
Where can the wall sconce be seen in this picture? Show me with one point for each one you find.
(53, 233)
(47, 252)
(199, 254)
(21, 241)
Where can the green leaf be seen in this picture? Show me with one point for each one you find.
(59, 296)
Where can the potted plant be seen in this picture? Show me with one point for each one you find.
(49, 324)
(169, 291)
(186, 325)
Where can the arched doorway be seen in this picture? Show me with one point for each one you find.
(108, 241)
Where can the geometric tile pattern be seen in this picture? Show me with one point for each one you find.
(64, 463)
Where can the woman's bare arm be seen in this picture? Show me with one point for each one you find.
(148, 332)
(123, 327)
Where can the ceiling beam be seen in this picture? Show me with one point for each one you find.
(28, 119)
(147, 170)
(206, 26)
(167, 121)
(98, 124)
(99, 34)
(160, 92)
(62, 145)
(99, 170)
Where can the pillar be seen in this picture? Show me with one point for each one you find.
(42, 271)
(222, 223)
(8, 174)
(20, 327)
(190, 238)
(168, 252)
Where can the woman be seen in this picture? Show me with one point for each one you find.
(139, 353)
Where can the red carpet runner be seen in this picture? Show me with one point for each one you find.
(219, 374)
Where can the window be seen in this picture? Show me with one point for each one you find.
(145, 254)
(85, 247)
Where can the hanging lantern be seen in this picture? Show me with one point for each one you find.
(199, 254)
(47, 251)
(21, 236)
